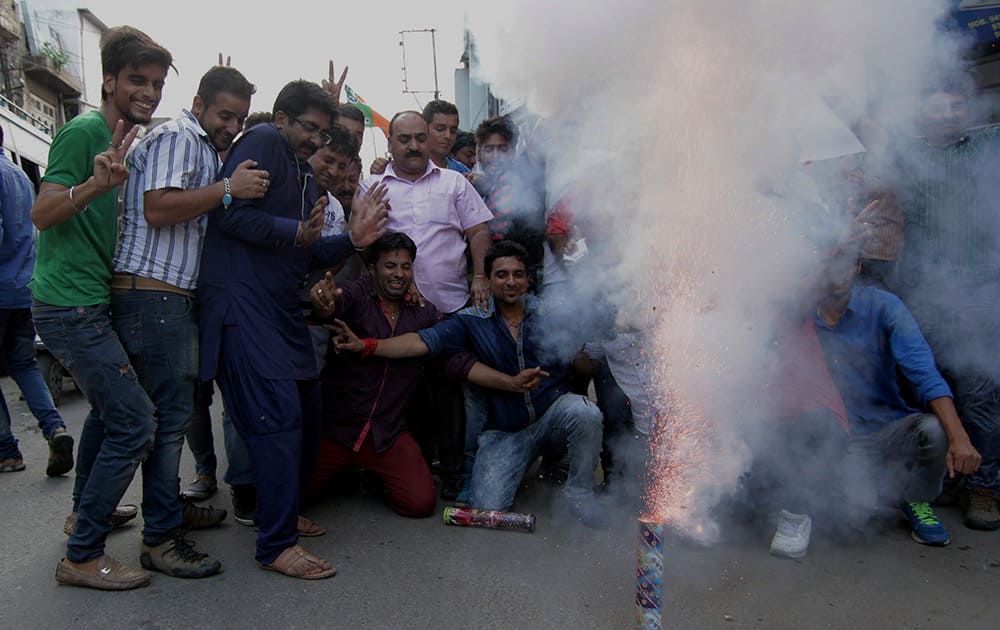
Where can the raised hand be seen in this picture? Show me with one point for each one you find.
(369, 215)
(863, 224)
(334, 87)
(229, 60)
(378, 166)
(343, 338)
(414, 297)
(249, 182)
(311, 230)
(109, 165)
(324, 295)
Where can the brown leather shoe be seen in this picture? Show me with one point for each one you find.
(111, 575)
(122, 514)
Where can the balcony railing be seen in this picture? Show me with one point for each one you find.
(35, 122)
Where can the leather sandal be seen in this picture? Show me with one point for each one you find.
(296, 562)
(309, 528)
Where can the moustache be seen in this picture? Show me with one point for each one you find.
(410, 154)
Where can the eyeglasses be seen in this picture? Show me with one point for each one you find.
(308, 126)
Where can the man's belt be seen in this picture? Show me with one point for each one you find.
(132, 282)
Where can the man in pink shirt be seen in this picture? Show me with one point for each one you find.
(440, 210)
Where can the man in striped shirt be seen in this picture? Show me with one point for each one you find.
(171, 187)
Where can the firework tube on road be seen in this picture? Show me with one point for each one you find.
(649, 577)
(468, 517)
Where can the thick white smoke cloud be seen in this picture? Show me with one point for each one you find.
(704, 113)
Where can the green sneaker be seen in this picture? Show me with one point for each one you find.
(925, 528)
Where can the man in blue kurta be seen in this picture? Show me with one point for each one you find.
(254, 339)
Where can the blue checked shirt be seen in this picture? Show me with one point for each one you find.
(177, 154)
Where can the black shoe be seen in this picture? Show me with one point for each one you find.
(60, 453)
(554, 471)
(452, 487)
(198, 517)
(244, 504)
(177, 557)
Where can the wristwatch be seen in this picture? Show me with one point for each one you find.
(228, 197)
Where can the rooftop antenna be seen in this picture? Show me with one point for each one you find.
(402, 46)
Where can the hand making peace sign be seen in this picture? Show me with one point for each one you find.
(109, 165)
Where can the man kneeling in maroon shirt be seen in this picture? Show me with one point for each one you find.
(365, 401)
(366, 398)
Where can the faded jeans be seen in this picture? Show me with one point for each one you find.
(201, 441)
(917, 442)
(159, 331)
(199, 436)
(117, 434)
(17, 342)
(503, 457)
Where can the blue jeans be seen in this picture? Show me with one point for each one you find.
(159, 331)
(978, 401)
(199, 436)
(476, 413)
(239, 472)
(503, 457)
(117, 434)
(909, 453)
(201, 441)
(17, 342)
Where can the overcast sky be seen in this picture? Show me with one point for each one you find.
(293, 39)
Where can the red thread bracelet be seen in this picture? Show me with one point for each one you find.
(370, 346)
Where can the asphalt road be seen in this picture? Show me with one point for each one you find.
(400, 573)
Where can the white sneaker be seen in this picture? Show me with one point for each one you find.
(792, 537)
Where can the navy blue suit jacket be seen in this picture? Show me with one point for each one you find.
(251, 271)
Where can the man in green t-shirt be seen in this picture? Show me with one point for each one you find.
(76, 213)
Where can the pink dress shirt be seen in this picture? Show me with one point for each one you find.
(435, 211)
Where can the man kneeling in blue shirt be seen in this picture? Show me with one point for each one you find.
(507, 337)
(866, 335)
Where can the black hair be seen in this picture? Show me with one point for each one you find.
(127, 45)
(224, 79)
(299, 96)
(257, 118)
(341, 141)
(462, 140)
(390, 242)
(504, 249)
(351, 112)
(502, 125)
(438, 106)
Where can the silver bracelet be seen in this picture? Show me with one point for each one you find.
(73, 203)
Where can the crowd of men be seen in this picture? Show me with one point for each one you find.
(398, 323)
